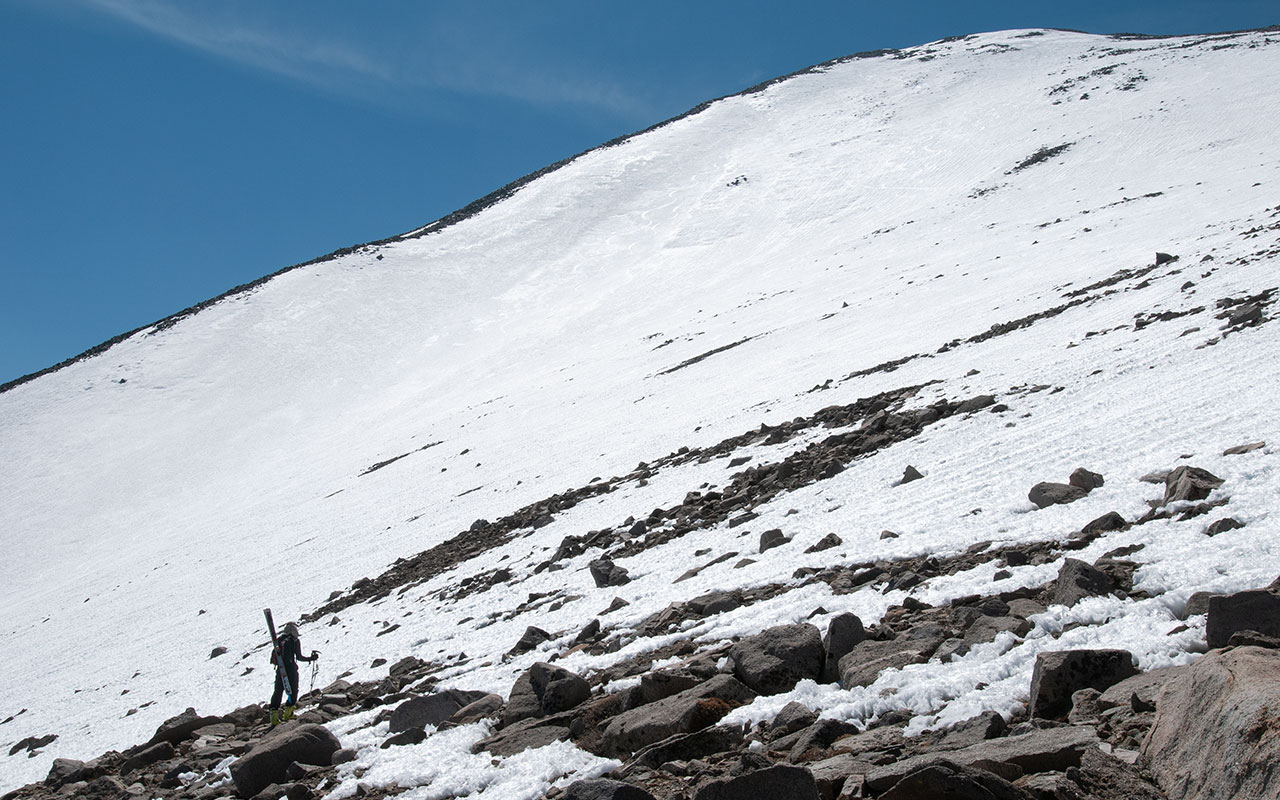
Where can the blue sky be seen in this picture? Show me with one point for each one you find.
(155, 153)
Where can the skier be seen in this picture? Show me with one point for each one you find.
(290, 653)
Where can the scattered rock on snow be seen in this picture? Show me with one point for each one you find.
(606, 573)
(1047, 494)
(1255, 610)
(772, 538)
(1189, 483)
(1084, 479)
(825, 543)
(1078, 580)
(433, 709)
(544, 689)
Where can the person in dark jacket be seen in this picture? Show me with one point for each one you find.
(290, 651)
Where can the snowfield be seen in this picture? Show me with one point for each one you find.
(155, 498)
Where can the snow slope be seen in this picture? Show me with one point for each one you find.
(154, 498)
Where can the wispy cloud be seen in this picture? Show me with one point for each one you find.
(444, 60)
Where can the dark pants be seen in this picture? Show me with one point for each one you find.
(292, 669)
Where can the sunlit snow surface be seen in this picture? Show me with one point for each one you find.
(154, 499)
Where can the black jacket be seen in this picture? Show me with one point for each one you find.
(291, 651)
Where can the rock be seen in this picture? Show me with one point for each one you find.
(1254, 610)
(986, 629)
(604, 789)
(1034, 751)
(1189, 483)
(686, 712)
(218, 651)
(1197, 603)
(179, 728)
(33, 743)
(910, 474)
(793, 717)
(406, 666)
(343, 756)
(589, 632)
(1164, 258)
(1217, 731)
(432, 709)
(532, 637)
(1222, 526)
(771, 539)
(664, 683)
(267, 762)
(868, 658)
(976, 404)
(825, 543)
(606, 573)
(486, 707)
(542, 690)
(147, 756)
(888, 535)
(1078, 580)
(1046, 494)
(1110, 521)
(1241, 449)
(1105, 777)
(1253, 639)
(1059, 674)
(409, 736)
(943, 779)
(843, 633)
(1084, 707)
(524, 735)
(65, 770)
(780, 781)
(712, 603)
(774, 660)
(1084, 479)
(974, 730)
(819, 736)
(1140, 690)
(688, 746)
(617, 603)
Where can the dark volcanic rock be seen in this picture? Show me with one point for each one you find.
(771, 539)
(488, 706)
(868, 658)
(1047, 494)
(1189, 483)
(943, 779)
(1084, 479)
(544, 689)
(606, 573)
(1255, 610)
(780, 781)
(1060, 673)
(686, 712)
(825, 543)
(176, 729)
(604, 789)
(774, 660)
(910, 474)
(1078, 580)
(267, 763)
(843, 633)
(432, 709)
(532, 637)
(1222, 526)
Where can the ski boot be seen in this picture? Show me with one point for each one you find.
(274, 717)
(288, 714)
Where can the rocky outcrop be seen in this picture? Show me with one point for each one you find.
(1217, 728)
(433, 709)
(780, 781)
(686, 712)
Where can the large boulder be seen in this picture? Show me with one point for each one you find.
(606, 573)
(1254, 610)
(686, 712)
(1060, 673)
(776, 659)
(1189, 483)
(544, 689)
(604, 789)
(1078, 580)
(432, 709)
(488, 706)
(268, 762)
(868, 658)
(945, 779)
(843, 633)
(780, 781)
(1050, 749)
(176, 729)
(1217, 728)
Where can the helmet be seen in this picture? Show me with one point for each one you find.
(291, 628)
